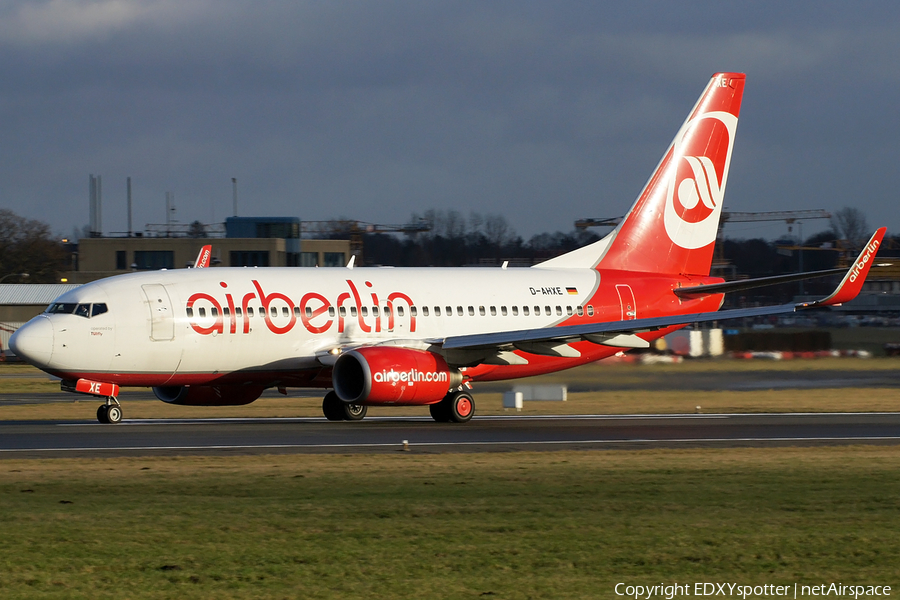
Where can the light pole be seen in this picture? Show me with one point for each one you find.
(22, 275)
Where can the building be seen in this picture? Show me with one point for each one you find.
(248, 242)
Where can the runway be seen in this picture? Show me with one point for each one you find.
(500, 433)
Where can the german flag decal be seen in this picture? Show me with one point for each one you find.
(572, 291)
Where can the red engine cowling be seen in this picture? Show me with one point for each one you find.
(209, 395)
(387, 375)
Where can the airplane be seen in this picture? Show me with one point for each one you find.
(417, 336)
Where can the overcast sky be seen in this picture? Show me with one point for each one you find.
(544, 112)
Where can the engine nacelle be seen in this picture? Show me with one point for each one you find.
(389, 375)
(209, 395)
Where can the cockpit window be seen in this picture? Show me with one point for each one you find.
(61, 308)
(82, 310)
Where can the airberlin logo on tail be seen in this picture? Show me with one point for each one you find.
(860, 264)
(411, 376)
(695, 190)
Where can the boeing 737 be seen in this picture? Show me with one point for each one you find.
(416, 336)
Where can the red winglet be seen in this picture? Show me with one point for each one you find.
(202, 261)
(853, 280)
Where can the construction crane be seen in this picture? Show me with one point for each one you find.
(788, 216)
(355, 230)
(791, 217)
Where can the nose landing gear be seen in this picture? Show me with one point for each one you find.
(111, 412)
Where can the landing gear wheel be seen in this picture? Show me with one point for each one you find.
(354, 412)
(332, 407)
(439, 412)
(109, 413)
(113, 414)
(456, 407)
(461, 406)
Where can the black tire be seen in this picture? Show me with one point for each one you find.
(461, 407)
(333, 407)
(101, 414)
(354, 412)
(113, 414)
(439, 412)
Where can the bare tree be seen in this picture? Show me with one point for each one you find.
(849, 223)
(27, 246)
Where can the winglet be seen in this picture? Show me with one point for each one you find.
(853, 280)
(202, 261)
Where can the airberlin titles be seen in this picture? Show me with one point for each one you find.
(315, 312)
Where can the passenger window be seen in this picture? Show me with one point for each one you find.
(352, 311)
(459, 310)
(515, 311)
(494, 311)
(387, 311)
(202, 312)
(296, 311)
(537, 311)
(190, 312)
(225, 311)
(365, 311)
(569, 310)
(525, 310)
(330, 311)
(579, 311)
(437, 311)
(399, 311)
(284, 311)
(237, 311)
(374, 311)
(558, 311)
(590, 310)
(413, 311)
(98, 309)
(308, 312)
(424, 311)
(449, 311)
(249, 311)
(262, 311)
(471, 311)
(214, 311)
(274, 311)
(481, 310)
(547, 310)
(343, 311)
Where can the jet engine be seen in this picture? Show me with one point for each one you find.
(209, 395)
(390, 375)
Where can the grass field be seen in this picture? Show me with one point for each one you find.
(502, 525)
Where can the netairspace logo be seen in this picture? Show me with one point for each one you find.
(411, 376)
(736, 590)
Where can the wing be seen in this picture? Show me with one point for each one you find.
(622, 333)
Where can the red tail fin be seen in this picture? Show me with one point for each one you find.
(672, 227)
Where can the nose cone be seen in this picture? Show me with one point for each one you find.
(33, 341)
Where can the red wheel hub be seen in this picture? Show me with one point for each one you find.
(463, 406)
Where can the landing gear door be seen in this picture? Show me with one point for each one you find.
(626, 301)
(162, 320)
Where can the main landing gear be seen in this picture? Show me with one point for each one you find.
(336, 409)
(111, 412)
(456, 407)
